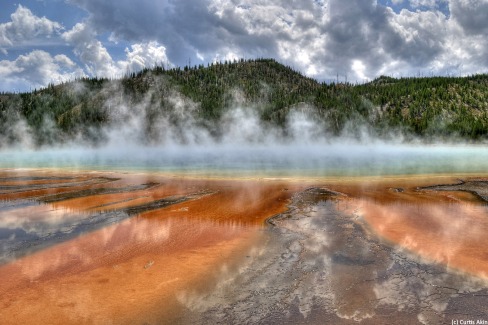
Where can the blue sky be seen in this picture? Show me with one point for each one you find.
(422, 5)
(45, 41)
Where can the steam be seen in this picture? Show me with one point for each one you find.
(164, 130)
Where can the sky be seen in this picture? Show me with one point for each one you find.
(51, 41)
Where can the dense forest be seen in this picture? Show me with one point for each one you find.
(433, 108)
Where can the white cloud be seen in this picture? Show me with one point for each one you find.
(289, 32)
(25, 26)
(143, 55)
(471, 15)
(64, 61)
(37, 69)
(319, 38)
(423, 3)
(95, 57)
(359, 68)
(98, 61)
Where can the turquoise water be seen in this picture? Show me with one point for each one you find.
(292, 160)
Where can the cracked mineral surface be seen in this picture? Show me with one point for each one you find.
(320, 265)
(101, 248)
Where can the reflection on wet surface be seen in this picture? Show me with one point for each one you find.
(120, 256)
(95, 248)
(322, 265)
(445, 224)
(452, 234)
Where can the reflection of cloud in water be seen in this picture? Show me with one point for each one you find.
(141, 260)
(291, 275)
(30, 228)
(427, 290)
(38, 219)
(318, 266)
(106, 241)
(128, 238)
(453, 234)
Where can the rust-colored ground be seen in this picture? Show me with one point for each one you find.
(447, 227)
(132, 272)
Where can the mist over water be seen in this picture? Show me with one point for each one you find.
(146, 137)
(337, 159)
(321, 246)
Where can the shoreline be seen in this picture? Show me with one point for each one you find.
(290, 177)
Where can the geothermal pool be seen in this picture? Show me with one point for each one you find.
(243, 159)
(379, 236)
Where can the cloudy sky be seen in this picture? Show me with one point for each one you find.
(43, 41)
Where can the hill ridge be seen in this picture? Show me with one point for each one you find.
(425, 107)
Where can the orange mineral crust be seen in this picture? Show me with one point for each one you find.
(137, 270)
(246, 200)
(131, 272)
(176, 235)
(249, 202)
(447, 227)
(454, 235)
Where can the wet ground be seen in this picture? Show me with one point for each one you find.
(106, 248)
(120, 255)
(30, 224)
(321, 266)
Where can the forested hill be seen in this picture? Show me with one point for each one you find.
(431, 108)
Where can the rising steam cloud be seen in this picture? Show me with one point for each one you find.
(163, 130)
(163, 117)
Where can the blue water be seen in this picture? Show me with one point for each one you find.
(290, 160)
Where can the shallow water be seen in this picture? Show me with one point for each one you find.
(312, 160)
(144, 246)
(323, 265)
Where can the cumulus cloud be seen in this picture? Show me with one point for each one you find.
(98, 61)
(92, 53)
(359, 38)
(143, 55)
(25, 26)
(418, 38)
(243, 28)
(466, 45)
(471, 15)
(423, 3)
(36, 69)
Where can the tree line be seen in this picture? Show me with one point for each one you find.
(427, 107)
